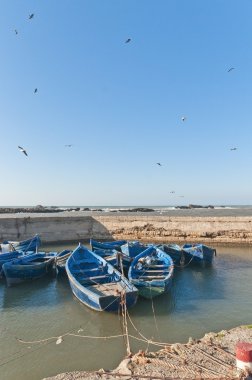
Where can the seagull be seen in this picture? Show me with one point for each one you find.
(68, 145)
(231, 68)
(158, 163)
(16, 32)
(35, 91)
(183, 118)
(22, 150)
(172, 192)
(233, 148)
(128, 40)
(31, 16)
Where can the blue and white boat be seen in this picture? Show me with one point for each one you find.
(174, 251)
(96, 283)
(30, 245)
(29, 267)
(151, 272)
(5, 257)
(116, 244)
(198, 253)
(118, 259)
(61, 259)
(133, 248)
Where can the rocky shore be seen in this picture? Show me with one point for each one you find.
(212, 357)
(79, 226)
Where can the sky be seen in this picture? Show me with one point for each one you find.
(120, 104)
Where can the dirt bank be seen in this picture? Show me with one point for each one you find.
(212, 357)
(77, 227)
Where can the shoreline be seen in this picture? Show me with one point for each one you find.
(212, 357)
(80, 227)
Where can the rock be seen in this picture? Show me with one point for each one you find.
(138, 209)
(124, 369)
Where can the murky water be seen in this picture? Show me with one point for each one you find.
(201, 300)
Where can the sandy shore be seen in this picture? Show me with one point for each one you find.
(212, 357)
(78, 226)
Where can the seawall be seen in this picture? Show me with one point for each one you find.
(77, 227)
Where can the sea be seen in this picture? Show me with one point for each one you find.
(171, 210)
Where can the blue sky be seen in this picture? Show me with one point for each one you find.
(120, 105)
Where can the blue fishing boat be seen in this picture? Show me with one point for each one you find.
(61, 259)
(115, 258)
(133, 248)
(5, 257)
(174, 251)
(96, 283)
(151, 272)
(29, 267)
(30, 245)
(107, 245)
(198, 253)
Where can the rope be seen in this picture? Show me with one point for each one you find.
(154, 315)
(125, 325)
(144, 339)
(68, 334)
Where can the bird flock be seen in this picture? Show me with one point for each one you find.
(21, 149)
(127, 41)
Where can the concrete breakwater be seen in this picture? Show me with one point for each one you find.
(77, 227)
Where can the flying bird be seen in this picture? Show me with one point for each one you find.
(158, 163)
(128, 40)
(183, 118)
(68, 145)
(22, 150)
(233, 148)
(35, 91)
(16, 32)
(31, 16)
(231, 68)
(172, 192)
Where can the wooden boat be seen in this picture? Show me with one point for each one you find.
(107, 245)
(29, 267)
(115, 258)
(30, 245)
(174, 251)
(61, 259)
(6, 257)
(96, 283)
(151, 272)
(133, 248)
(198, 253)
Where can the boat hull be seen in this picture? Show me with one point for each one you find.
(152, 272)
(16, 274)
(198, 254)
(111, 304)
(96, 283)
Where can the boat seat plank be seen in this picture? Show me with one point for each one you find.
(158, 266)
(158, 277)
(152, 270)
(98, 277)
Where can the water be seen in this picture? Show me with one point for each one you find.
(221, 211)
(200, 301)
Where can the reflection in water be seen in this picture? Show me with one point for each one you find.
(201, 300)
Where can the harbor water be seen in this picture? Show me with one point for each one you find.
(201, 300)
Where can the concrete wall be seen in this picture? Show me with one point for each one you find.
(53, 228)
